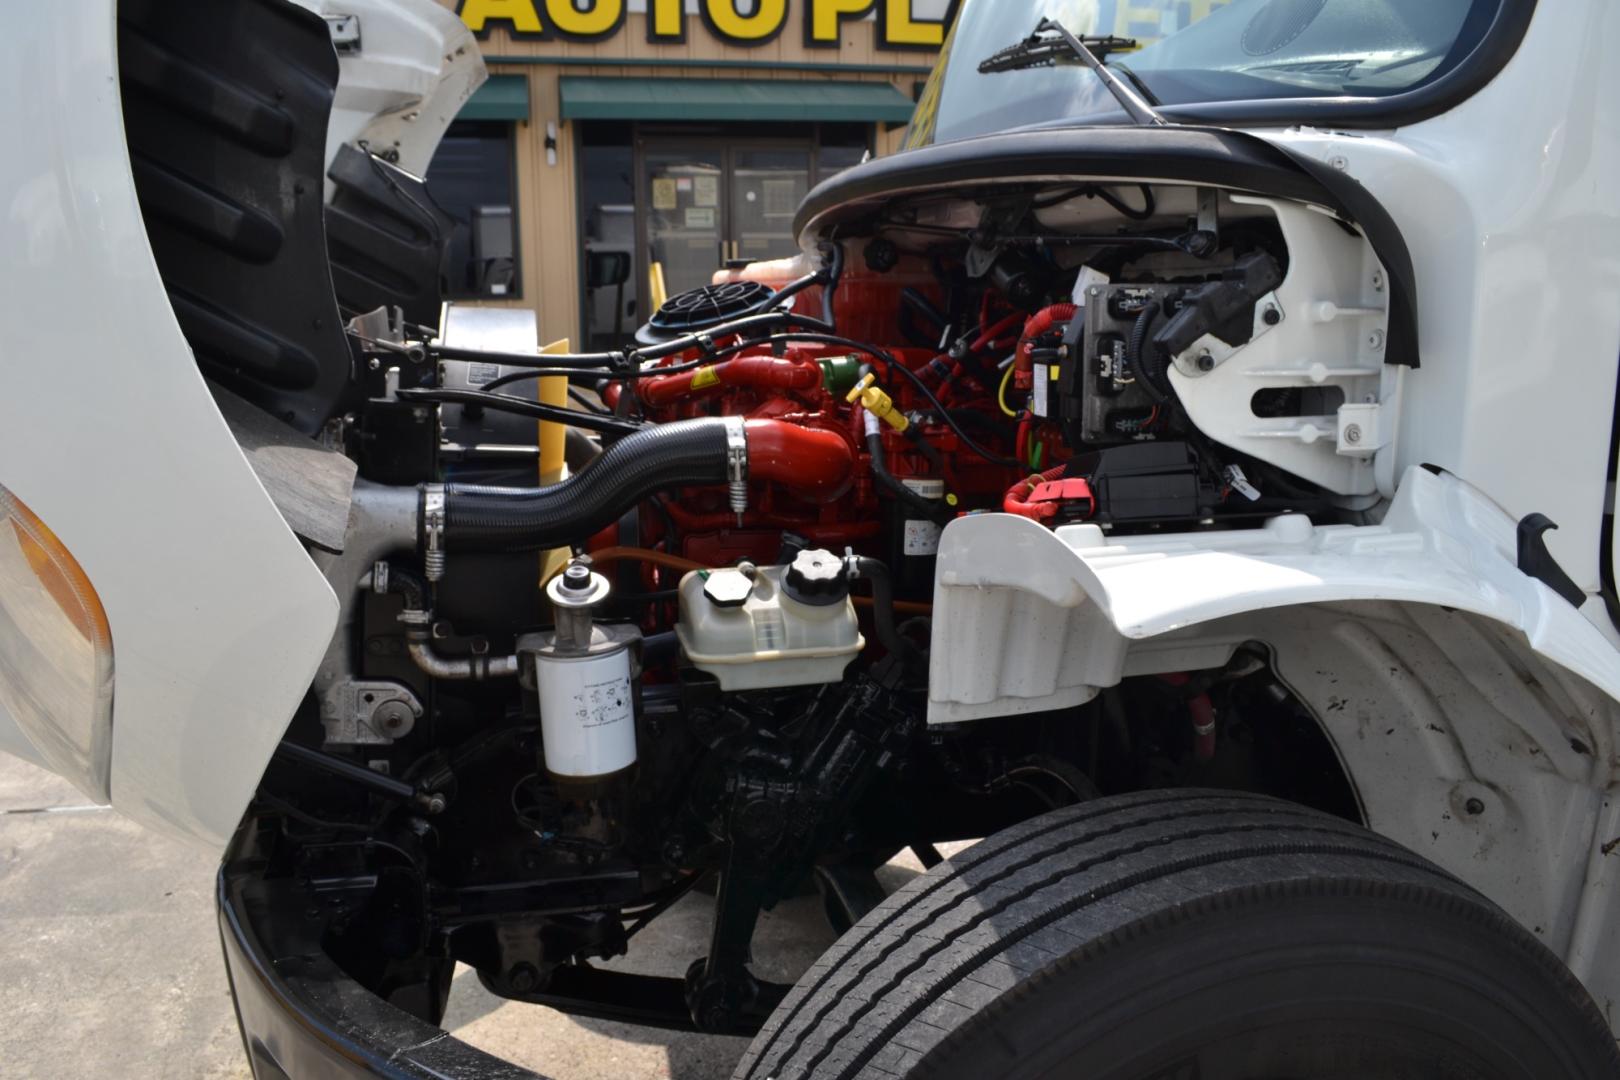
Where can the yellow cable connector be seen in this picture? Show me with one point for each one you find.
(878, 403)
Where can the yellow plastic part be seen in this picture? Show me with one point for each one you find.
(553, 390)
(703, 377)
(878, 403)
(657, 291)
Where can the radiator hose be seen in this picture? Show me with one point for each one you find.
(707, 451)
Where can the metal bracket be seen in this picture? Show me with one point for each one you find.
(345, 32)
(371, 712)
(1360, 429)
(1210, 352)
(1209, 211)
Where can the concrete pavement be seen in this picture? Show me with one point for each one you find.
(111, 965)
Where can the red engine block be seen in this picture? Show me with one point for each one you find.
(811, 469)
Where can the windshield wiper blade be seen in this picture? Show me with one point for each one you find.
(1052, 41)
(1038, 51)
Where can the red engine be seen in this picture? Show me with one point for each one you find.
(857, 452)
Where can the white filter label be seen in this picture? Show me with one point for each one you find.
(921, 538)
(1038, 395)
(587, 714)
(599, 704)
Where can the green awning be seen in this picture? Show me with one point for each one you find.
(503, 97)
(592, 98)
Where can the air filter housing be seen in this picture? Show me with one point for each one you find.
(704, 308)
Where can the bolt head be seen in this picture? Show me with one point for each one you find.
(1271, 316)
(1474, 807)
(1206, 362)
(1352, 433)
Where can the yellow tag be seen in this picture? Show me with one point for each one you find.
(703, 377)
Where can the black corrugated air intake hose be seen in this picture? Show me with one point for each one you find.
(662, 456)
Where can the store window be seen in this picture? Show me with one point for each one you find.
(840, 147)
(472, 178)
(608, 205)
(664, 205)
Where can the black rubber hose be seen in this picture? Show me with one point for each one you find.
(902, 648)
(793, 288)
(659, 649)
(931, 509)
(1137, 351)
(832, 273)
(522, 407)
(404, 583)
(478, 518)
(920, 303)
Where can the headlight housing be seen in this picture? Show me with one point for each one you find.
(56, 656)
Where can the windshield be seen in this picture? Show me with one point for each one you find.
(1194, 51)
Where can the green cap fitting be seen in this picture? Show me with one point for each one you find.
(840, 373)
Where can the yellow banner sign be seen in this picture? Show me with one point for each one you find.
(822, 21)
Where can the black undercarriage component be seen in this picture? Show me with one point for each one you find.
(225, 108)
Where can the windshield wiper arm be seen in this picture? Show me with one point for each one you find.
(1039, 50)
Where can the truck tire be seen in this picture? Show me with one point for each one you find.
(1185, 935)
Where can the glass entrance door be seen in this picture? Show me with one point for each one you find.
(682, 190)
(767, 186)
(707, 202)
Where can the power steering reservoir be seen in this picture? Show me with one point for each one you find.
(757, 628)
(583, 673)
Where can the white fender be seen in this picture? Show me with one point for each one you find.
(1027, 618)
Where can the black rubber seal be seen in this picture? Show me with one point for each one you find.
(1538, 562)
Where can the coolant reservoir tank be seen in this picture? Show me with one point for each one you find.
(758, 628)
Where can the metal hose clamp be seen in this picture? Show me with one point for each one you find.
(433, 531)
(737, 464)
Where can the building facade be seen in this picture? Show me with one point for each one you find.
(626, 149)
